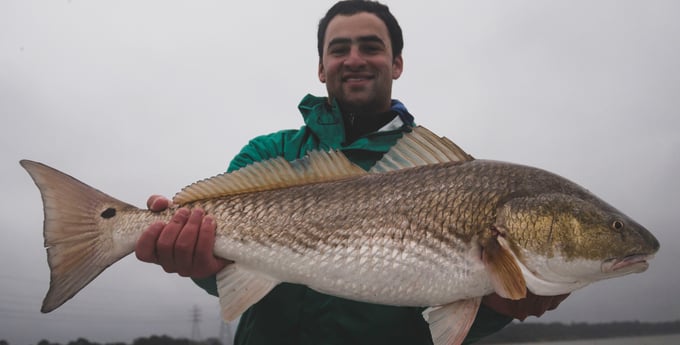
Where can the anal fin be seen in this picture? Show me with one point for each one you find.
(450, 323)
(240, 288)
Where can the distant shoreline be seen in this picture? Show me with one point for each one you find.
(555, 331)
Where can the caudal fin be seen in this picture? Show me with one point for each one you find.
(78, 231)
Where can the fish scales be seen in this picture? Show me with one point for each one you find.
(406, 212)
(423, 199)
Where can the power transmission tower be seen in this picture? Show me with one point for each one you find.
(195, 320)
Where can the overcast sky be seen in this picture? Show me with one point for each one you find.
(141, 97)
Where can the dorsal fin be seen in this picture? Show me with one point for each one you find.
(420, 147)
(275, 173)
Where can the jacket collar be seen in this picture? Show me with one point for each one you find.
(325, 119)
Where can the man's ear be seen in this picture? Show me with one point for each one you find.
(322, 74)
(397, 67)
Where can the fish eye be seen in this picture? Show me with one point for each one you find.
(617, 224)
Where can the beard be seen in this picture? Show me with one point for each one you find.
(362, 101)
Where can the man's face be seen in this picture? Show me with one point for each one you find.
(357, 63)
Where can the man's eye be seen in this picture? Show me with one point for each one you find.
(371, 49)
(338, 51)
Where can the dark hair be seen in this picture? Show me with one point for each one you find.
(350, 7)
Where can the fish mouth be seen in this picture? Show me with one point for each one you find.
(634, 263)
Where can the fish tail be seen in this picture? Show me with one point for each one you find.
(78, 232)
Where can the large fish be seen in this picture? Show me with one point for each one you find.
(427, 226)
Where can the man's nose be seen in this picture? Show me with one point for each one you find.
(354, 58)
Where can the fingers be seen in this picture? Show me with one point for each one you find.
(538, 305)
(184, 245)
(503, 306)
(205, 263)
(165, 245)
(532, 305)
(146, 245)
(555, 301)
(157, 203)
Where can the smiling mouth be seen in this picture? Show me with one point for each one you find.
(356, 79)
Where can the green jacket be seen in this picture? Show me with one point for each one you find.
(296, 315)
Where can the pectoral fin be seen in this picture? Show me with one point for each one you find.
(501, 265)
(240, 288)
(450, 323)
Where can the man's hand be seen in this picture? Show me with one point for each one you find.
(532, 305)
(184, 245)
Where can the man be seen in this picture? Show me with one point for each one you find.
(359, 45)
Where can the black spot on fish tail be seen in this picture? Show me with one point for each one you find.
(109, 213)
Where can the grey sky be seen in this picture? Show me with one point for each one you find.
(142, 97)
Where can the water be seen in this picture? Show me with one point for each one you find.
(670, 339)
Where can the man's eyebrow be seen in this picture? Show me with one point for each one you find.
(371, 38)
(346, 40)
